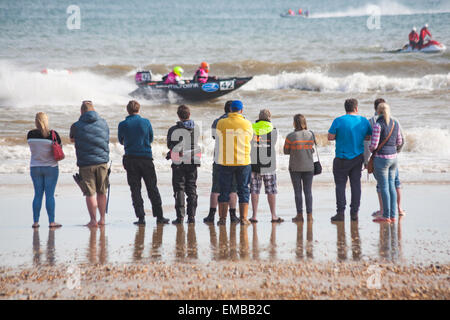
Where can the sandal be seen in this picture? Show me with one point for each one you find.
(56, 225)
(277, 220)
(34, 226)
(253, 220)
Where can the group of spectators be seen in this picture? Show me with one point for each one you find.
(244, 159)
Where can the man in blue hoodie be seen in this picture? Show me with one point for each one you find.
(91, 136)
(185, 153)
(136, 134)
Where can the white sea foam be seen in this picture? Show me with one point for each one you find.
(356, 82)
(426, 150)
(388, 8)
(23, 88)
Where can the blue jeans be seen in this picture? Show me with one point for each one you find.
(384, 172)
(242, 175)
(398, 184)
(44, 181)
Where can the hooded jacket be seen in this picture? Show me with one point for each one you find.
(263, 154)
(182, 141)
(234, 134)
(91, 134)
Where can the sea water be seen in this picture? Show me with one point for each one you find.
(308, 66)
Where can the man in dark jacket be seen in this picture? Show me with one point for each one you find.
(182, 141)
(136, 134)
(91, 136)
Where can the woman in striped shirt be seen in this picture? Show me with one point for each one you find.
(385, 161)
(299, 145)
(43, 169)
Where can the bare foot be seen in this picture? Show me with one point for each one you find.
(401, 212)
(101, 222)
(92, 224)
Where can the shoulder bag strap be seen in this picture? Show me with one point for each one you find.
(387, 138)
(315, 143)
(54, 136)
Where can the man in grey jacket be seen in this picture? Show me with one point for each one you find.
(91, 137)
(367, 153)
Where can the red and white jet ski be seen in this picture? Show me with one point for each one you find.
(431, 46)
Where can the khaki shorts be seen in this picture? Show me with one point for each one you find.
(95, 179)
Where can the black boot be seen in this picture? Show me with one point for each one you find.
(338, 217)
(177, 221)
(191, 219)
(233, 217)
(162, 220)
(354, 216)
(210, 217)
(141, 221)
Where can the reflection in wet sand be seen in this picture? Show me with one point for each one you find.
(309, 240)
(227, 248)
(356, 241)
(255, 244)
(101, 256)
(181, 252)
(36, 248)
(389, 245)
(50, 252)
(139, 243)
(212, 239)
(155, 251)
(180, 242)
(192, 242)
(243, 243)
(340, 242)
(273, 242)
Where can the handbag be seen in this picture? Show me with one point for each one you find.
(58, 153)
(370, 166)
(317, 165)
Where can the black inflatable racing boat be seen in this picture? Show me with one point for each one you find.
(193, 91)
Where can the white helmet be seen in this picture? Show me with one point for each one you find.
(426, 25)
(414, 29)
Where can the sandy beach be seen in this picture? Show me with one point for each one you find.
(317, 260)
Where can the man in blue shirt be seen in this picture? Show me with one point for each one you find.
(136, 134)
(349, 131)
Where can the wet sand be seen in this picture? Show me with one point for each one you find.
(228, 280)
(261, 261)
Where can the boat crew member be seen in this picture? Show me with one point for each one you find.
(174, 77)
(423, 33)
(413, 38)
(201, 75)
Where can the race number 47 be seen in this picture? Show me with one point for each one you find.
(227, 85)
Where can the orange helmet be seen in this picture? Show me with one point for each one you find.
(204, 65)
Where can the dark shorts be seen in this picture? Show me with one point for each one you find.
(215, 180)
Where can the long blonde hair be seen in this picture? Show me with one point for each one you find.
(41, 122)
(384, 110)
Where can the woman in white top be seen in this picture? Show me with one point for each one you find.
(43, 169)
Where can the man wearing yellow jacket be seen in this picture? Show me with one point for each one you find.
(235, 134)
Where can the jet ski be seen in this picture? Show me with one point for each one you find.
(431, 46)
(287, 15)
(189, 90)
